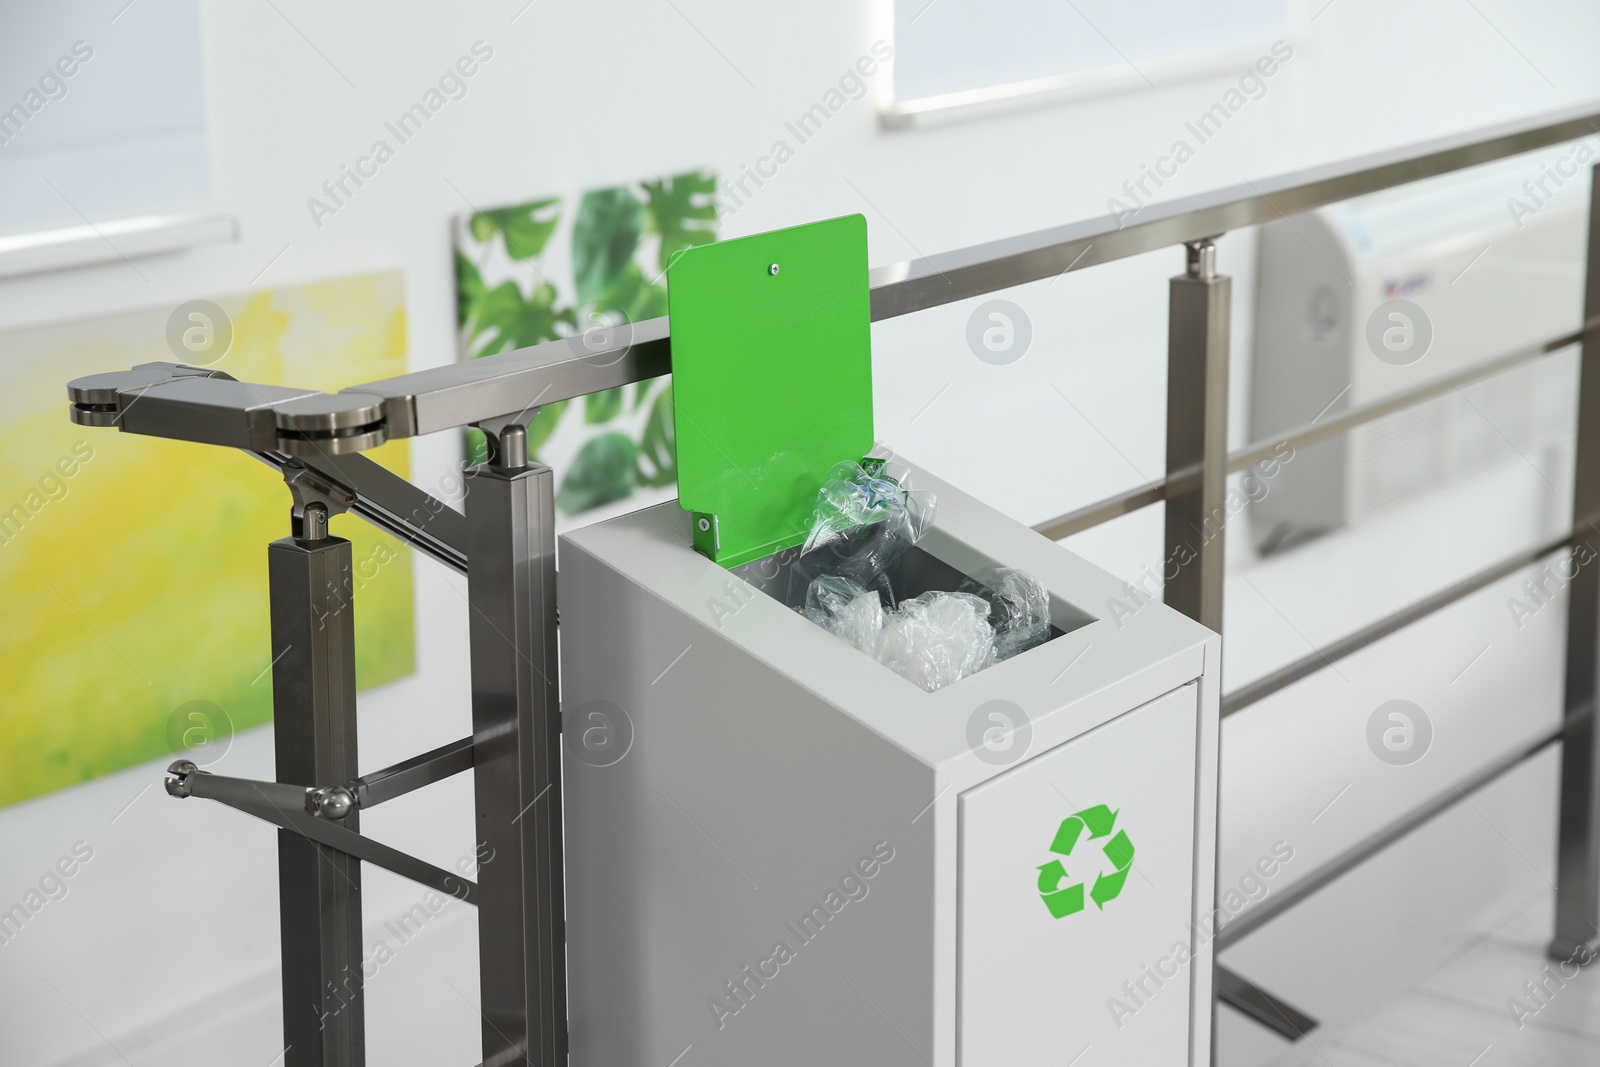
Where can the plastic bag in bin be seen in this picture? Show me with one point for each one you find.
(866, 518)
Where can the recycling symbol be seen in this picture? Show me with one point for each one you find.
(1100, 821)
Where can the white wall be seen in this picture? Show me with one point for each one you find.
(174, 920)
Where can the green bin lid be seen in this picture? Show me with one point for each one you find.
(771, 380)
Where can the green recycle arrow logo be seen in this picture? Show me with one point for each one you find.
(1099, 821)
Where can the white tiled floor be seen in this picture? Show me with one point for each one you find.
(1460, 1015)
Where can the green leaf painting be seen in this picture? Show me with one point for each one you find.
(525, 229)
(657, 458)
(603, 406)
(503, 319)
(592, 263)
(602, 473)
(631, 294)
(604, 238)
(681, 212)
(469, 289)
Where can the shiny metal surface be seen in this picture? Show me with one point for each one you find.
(340, 445)
(462, 393)
(1142, 496)
(1086, 518)
(902, 288)
(285, 807)
(314, 737)
(190, 781)
(312, 524)
(330, 424)
(1198, 321)
(205, 408)
(1329, 654)
(210, 407)
(90, 415)
(373, 789)
(177, 780)
(317, 498)
(1578, 839)
(509, 447)
(516, 726)
(111, 387)
(1276, 1014)
(331, 802)
(329, 412)
(1313, 432)
(388, 502)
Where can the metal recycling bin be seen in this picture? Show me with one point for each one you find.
(780, 851)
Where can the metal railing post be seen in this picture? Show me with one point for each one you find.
(1199, 302)
(314, 735)
(1578, 850)
(516, 725)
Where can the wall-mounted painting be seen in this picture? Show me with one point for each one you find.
(133, 570)
(585, 267)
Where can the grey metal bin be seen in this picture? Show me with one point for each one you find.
(780, 851)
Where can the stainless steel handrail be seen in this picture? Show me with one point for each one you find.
(436, 399)
(463, 393)
(1328, 655)
(902, 288)
(1315, 431)
(1153, 492)
(1275, 905)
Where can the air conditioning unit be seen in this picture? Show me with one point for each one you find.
(1383, 294)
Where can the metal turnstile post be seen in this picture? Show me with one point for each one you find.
(511, 575)
(314, 734)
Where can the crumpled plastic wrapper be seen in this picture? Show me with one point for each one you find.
(848, 612)
(934, 640)
(937, 639)
(867, 518)
(1019, 609)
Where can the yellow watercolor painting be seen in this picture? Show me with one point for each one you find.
(133, 570)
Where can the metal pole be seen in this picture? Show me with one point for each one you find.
(1578, 850)
(1199, 303)
(314, 733)
(1197, 435)
(516, 725)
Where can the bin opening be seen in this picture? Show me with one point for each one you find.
(917, 572)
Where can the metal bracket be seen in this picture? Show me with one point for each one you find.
(183, 403)
(1200, 258)
(389, 502)
(370, 790)
(286, 806)
(330, 423)
(99, 399)
(317, 499)
(508, 438)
